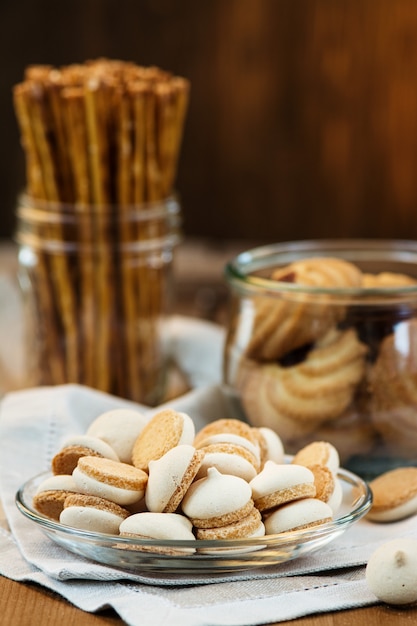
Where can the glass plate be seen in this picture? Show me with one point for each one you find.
(192, 557)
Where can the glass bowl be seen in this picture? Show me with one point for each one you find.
(322, 344)
(199, 556)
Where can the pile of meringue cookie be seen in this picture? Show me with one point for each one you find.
(159, 479)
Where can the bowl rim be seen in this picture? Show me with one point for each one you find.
(361, 503)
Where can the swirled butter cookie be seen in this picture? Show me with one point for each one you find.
(387, 279)
(288, 320)
(294, 401)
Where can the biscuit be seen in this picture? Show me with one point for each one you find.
(93, 514)
(247, 526)
(119, 482)
(298, 515)
(328, 486)
(78, 446)
(166, 429)
(394, 495)
(226, 426)
(324, 481)
(51, 494)
(318, 453)
(277, 484)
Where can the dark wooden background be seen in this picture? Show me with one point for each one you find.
(303, 116)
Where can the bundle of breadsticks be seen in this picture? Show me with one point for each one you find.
(101, 143)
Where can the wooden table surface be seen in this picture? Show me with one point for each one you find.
(201, 293)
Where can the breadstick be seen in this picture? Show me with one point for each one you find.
(97, 119)
(61, 277)
(181, 88)
(137, 93)
(73, 100)
(33, 165)
(153, 173)
(43, 300)
(128, 271)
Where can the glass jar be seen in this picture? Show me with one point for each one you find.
(96, 282)
(319, 358)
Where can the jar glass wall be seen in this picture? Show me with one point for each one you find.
(322, 345)
(96, 282)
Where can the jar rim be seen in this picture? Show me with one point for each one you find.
(66, 228)
(45, 210)
(240, 272)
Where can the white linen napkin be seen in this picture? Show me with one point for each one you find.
(33, 424)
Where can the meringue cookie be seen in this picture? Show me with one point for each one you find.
(119, 482)
(57, 482)
(226, 425)
(272, 448)
(391, 572)
(217, 499)
(119, 428)
(51, 494)
(92, 514)
(394, 495)
(235, 440)
(170, 476)
(298, 515)
(156, 526)
(229, 458)
(78, 446)
(280, 483)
